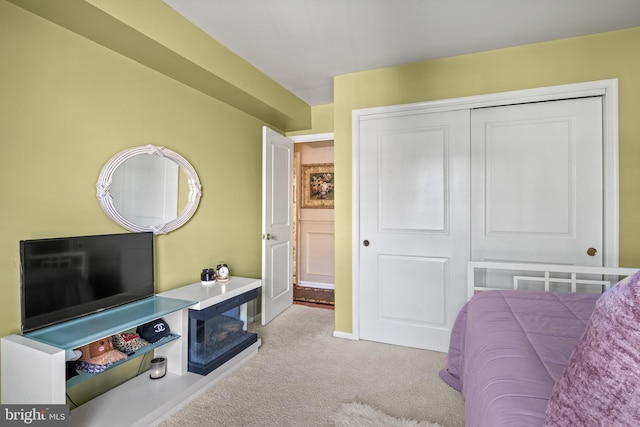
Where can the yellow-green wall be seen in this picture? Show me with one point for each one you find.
(321, 121)
(67, 105)
(597, 57)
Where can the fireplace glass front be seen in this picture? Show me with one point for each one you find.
(218, 333)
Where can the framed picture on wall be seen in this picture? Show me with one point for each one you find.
(317, 186)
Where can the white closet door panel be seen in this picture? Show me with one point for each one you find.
(537, 182)
(422, 277)
(528, 173)
(414, 215)
(414, 198)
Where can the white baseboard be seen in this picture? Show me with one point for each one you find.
(316, 285)
(345, 335)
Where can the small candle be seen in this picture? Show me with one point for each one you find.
(158, 368)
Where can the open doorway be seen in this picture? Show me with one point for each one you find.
(313, 233)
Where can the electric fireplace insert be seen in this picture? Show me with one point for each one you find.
(218, 333)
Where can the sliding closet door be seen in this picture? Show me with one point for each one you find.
(537, 182)
(414, 226)
(436, 189)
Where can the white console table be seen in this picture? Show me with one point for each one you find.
(33, 365)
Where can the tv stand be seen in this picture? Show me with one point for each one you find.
(33, 365)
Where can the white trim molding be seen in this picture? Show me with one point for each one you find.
(313, 138)
(316, 285)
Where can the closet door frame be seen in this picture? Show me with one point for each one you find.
(607, 89)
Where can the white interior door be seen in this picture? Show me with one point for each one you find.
(537, 182)
(414, 226)
(277, 224)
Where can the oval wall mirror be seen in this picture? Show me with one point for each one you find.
(149, 188)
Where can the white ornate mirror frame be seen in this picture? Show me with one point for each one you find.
(105, 180)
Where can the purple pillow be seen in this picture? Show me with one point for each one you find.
(600, 385)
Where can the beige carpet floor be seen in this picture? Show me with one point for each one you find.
(302, 375)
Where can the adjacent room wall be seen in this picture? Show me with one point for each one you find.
(315, 244)
(596, 57)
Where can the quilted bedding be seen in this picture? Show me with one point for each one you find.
(507, 350)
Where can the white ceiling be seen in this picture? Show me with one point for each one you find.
(302, 44)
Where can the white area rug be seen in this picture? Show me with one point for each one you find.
(360, 415)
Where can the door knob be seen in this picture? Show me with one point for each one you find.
(592, 251)
(268, 237)
(365, 242)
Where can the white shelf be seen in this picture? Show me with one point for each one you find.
(83, 376)
(211, 294)
(155, 400)
(33, 365)
(87, 329)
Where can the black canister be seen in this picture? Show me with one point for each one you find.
(208, 275)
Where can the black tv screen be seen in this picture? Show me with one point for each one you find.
(68, 277)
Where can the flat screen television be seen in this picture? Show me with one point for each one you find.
(69, 277)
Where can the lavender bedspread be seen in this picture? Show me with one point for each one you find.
(507, 350)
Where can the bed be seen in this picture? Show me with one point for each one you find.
(561, 353)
